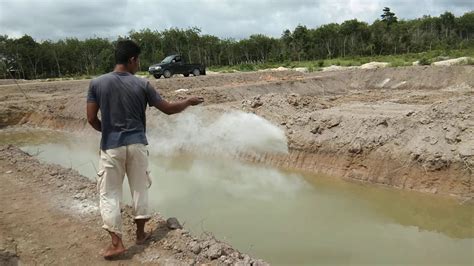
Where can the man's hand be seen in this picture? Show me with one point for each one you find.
(177, 107)
(92, 110)
(195, 100)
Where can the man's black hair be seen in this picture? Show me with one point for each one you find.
(124, 50)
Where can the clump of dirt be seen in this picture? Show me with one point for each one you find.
(42, 203)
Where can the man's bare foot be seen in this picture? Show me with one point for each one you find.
(142, 238)
(113, 251)
(116, 248)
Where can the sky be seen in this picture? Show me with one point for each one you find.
(59, 19)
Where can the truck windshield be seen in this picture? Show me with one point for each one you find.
(168, 59)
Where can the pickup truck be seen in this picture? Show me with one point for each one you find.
(175, 64)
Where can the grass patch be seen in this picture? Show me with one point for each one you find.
(316, 65)
(424, 61)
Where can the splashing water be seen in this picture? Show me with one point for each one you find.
(216, 133)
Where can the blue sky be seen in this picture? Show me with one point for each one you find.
(55, 19)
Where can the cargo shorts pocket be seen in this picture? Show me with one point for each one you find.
(148, 178)
(100, 178)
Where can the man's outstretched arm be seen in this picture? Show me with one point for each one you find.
(92, 111)
(170, 108)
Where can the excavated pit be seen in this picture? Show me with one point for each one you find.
(409, 128)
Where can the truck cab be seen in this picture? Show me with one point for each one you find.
(175, 64)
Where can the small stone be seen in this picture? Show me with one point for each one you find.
(256, 104)
(410, 113)
(425, 121)
(215, 251)
(452, 135)
(466, 150)
(356, 148)
(334, 122)
(316, 130)
(9, 172)
(195, 248)
(173, 223)
(246, 259)
(80, 196)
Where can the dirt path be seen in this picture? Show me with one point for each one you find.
(49, 216)
(41, 234)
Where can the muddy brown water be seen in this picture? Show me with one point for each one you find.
(282, 216)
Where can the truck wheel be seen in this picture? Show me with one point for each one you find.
(196, 72)
(157, 76)
(186, 75)
(167, 74)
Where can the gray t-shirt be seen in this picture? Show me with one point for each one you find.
(122, 99)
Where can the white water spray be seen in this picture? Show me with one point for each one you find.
(204, 131)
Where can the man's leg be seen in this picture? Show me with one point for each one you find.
(109, 183)
(139, 181)
(115, 248)
(142, 236)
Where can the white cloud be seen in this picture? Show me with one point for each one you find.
(49, 19)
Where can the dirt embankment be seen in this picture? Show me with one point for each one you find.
(411, 128)
(49, 216)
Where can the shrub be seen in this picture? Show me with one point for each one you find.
(424, 61)
(246, 67)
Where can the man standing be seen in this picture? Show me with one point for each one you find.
(122, 99)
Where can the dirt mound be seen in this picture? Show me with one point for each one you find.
(336, 68)
(374, 65)
(451, 62)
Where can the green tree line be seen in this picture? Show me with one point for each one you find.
(26, 58)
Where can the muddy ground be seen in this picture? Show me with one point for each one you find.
(410, 128)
